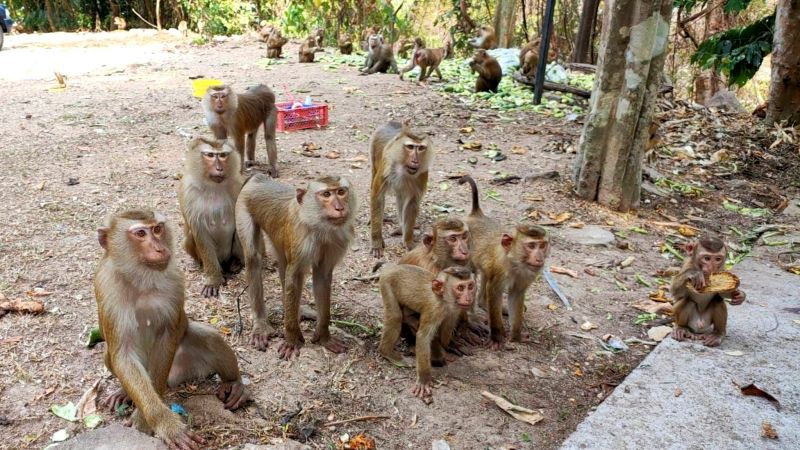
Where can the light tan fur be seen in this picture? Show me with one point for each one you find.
(428, 60)
(380, 56)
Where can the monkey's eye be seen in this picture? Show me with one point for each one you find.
(341, 192)
(471, 286)
(706, 258)
(326, 194)
(451, 239)
(422, 148)
(157, 229)
(223, 156)
(208, 155)
(460, 288)
(140, 233)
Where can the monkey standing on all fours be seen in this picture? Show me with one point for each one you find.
(701, 316)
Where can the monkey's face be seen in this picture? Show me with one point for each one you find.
(415, 152)
(375, 41)
(219, 101)
(149, 242)
(216, 164)
(708, 261)
(534, 252)
(335, 204)
(456, 244)
(463, 292)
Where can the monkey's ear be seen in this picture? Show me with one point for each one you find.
(427, 240)
(689, 247)
(506, 241)
(437, 287)
(300, 194)
(102, 236)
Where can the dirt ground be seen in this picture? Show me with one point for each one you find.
(114, 139)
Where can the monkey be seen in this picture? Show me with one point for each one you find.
(319, 37)
(120, 23)
(703, 317)
(380, 57)
(446, 245)
(400, 163)
(427, 59)
(345, 45)
(489, 71)
(309, 228)
(529, 57)
(506, 263)
(402, 46)
(448, 45)
(183, 28)
(437, 298)
(150, 344)
(275, 43)
(207, 196)
(265, 32)
(365, 36)
(239, 116)
(485, 38)
(307, 50)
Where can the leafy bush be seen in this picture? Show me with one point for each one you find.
(220, 16)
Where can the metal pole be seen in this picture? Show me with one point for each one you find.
(544, 46)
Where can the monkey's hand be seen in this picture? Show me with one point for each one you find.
(423, 389)
(173, 432)
(458, 347)
(681, 334)
(116, 399)
(288, 349)
(697, 278)
(377, 252)
(712, 340)
(210, 290)
(233, 394)
(273, 171)
(737, 297)
(497, 341)
(262, 332)
(331, 343)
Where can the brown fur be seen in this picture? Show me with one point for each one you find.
(275, 43)
(489, 71)
(345, 45)
(435, 253)
(307, 233)
(485, 38)
(380, 57)
(307, 50)
(428, 60)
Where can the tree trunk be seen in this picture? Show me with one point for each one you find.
(505, 18)
(48, 8)
(583, 41)
(158, 15)
(784, 87)
(709, 81)
(633, 48)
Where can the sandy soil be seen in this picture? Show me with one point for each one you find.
(119, 129)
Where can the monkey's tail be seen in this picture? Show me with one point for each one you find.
(476, 207)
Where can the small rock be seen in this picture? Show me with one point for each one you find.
(659, 333)
(113, 437)
(589, 235)
(726, 100)
(793, 210)
(440, 445)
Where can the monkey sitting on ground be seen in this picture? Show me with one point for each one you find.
(345, 45)
(239, 116)
(308, 49)
(380, 57)
(428, 60)
(310, 229)
(703, 317)
(319, 37)
(275, 43)
(365, 36)
(529, 57)
(505, 262)
(489, 71)
(150, 344)
(485, 38)
(431, 303)
(207, 196)
(400, 163)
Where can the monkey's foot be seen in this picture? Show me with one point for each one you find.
(331, 343)
(377, 252)
(262, 332)
(181, 439)
(113, 401)
(210, 290)
(233, 394)
(712, 340)
(273, 171)
(497, 343)
(288, 349)
(423, 390)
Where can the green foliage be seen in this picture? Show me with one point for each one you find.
(220, 16)
(731, 6)
(737, 52)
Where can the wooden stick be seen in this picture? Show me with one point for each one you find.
(674, 224)
(355, 419)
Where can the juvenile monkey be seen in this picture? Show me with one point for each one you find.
(436, 300)
(120, 23)
(380, 57)
(428, 60)
(310, 229)
(529, 57)
(239, 116)
(265, 32)
(506, 263)
(489, 71)
(345, 45)
(319, 37)
(447, 245)
(485, 38)
(207, 196)
(275, 43)
(703, 317)
(400, 163)
(150, 343)
(308, 49)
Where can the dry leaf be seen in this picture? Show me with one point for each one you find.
(11, 340)
(534, 215)
(519, 150)
(359, 158)
(38, 292)
(517, 412)
(578, 372)
(552, 307)
(466, 130)
(538, 373)
(590, 271)
(564, 270)
(333, 154)
(474, 146)
(734, 353)
(23, 306)
(752, 389)
(355, 166)
(627, 261)
(794, 269)
(768, 431)
(658, 334)
(686, 231)
(588, 326)
(88, 403)
(654, 307)
(659, 296)
(359, 442)
(532, 198)
(561, 217)
(578, 225)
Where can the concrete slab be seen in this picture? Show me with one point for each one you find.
(685, 396)
(112, 437)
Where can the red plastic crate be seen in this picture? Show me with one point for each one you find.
(302, 117)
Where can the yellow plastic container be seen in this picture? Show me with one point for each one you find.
(200, 85)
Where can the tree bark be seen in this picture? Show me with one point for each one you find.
(48, 8)
(784, 88)
(583, 41)
(158, 15)
(633, 48)
(505, 18)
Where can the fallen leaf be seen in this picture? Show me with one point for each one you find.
(534, 215)
(627, 261)
(552, 307)
(588, 326)
(794, 269)
(538, 373)
(577, 225)
(38, 292)
(533, 198)
(654, 307)
(359, 158)
(92, 421)
(686, 231)
(355, 166)
(518, 412)
(564, 271)
(359, 442)
(590, 271)
(411, 425)
(658, 334)
(60, 436)
(23, 306)
(87, 405)
(578, 372)
(443, 186)
(466, 130)
(519, 150)
(66, 412)
(659, 296)
(333, 154)
(561, 217)
(474, 146)
(768, 431)
(752, 389)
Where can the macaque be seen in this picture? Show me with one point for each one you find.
(489, 71)
(402, 46)
(150, 344)
(207, 196)
(447, 245)
(307, 50)
(380, 57)
(310, 229)
(432, 303)
(485, 38)
(183, 28)
(506, 263)
(120, 23)
(265, 32)
(345, 45)
(400, 163)
(529, 57)
(447, 44)
(319, 37)
(275, 43)
(365, 36)
(702, 317)
(239, 116)
(428, 60)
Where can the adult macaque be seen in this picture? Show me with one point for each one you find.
(307, 50)
(507, 263)
(485, 38)
(310, 229)
(529, 57)
(150, 344)
(120, 23)
(428, 60)
(701, 316)
(345, 45)
(239, 116)
(489, 71)
(207, 196)
(400, 163)
(275, 43)
(319, 37)
(447, 245)
(437, 299)
(365, 36)
(380, 57)
(265, 32)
